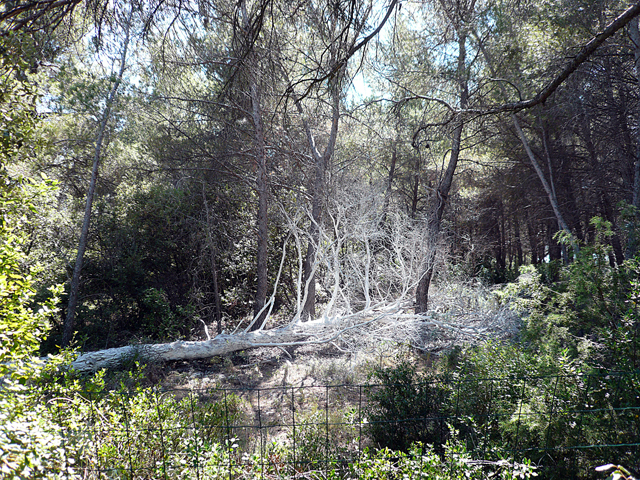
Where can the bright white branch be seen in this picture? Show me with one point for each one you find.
(369, 272)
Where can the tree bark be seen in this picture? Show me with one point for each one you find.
(183, 350)
(633, 242)
(548, 188)
(315, 332)
(69, 321)
(214, 268)
(518, 241)
(262, 216)
(321, 165)
(533, 239)
(416, 187)
(442, 193)
(390, 180)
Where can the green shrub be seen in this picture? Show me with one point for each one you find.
(405, 409)
(512, 401)
(423, 462)
(588, 308)
(151, 432)
(29, 442)
(538, 390)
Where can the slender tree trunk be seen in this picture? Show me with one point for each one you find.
(442, 193)
(606, 206)
(502, 238)
(610, 216)
(533, 240)
(262, 181)
(216, 292)
(554, 249)
(390, 180)
(384, 214)
(308, 275)
(518, 241)
(548, 188)
(262, 217)
(566, 177)
(214, 269)
(416, 188)
(69, 321)
(633, 241)
(321, 165)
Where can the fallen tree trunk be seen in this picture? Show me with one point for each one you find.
(380, 326)
(381, 270)
(183, 350)
(319, 331)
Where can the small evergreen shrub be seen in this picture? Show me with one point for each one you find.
(405, 409)
(420, 461)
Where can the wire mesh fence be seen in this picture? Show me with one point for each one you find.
(565, 425)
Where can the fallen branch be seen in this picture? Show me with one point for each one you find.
(369, 274)
(317, 332)
(184, 350)
(314, 332)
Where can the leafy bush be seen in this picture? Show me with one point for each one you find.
(405, 409)
(422, 462)
(589, 315)
(123, 434)
(512, 401)
(320, 439)
(153, 432)
(158, 319)
(29, 443)
(577, 333)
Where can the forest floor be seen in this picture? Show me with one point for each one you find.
(275, 370)
(283, 387)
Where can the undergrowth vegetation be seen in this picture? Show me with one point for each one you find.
(497, 409)
(133, 434)
(579, 340)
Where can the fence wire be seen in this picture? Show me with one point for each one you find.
(566, 425)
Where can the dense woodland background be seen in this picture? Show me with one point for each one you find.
(210, 126)
(170, 167)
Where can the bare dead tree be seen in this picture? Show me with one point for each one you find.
(368, 276)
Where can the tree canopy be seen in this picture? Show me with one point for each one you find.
(210, 157)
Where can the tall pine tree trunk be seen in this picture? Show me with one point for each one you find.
(434, 222)
(262, 182)
(262, 217)
(549, 187)
(633, 242)
(69, 321)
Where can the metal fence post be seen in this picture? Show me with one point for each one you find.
(194, 428)
(164, 451)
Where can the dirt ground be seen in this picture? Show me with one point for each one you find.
(281, 389)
